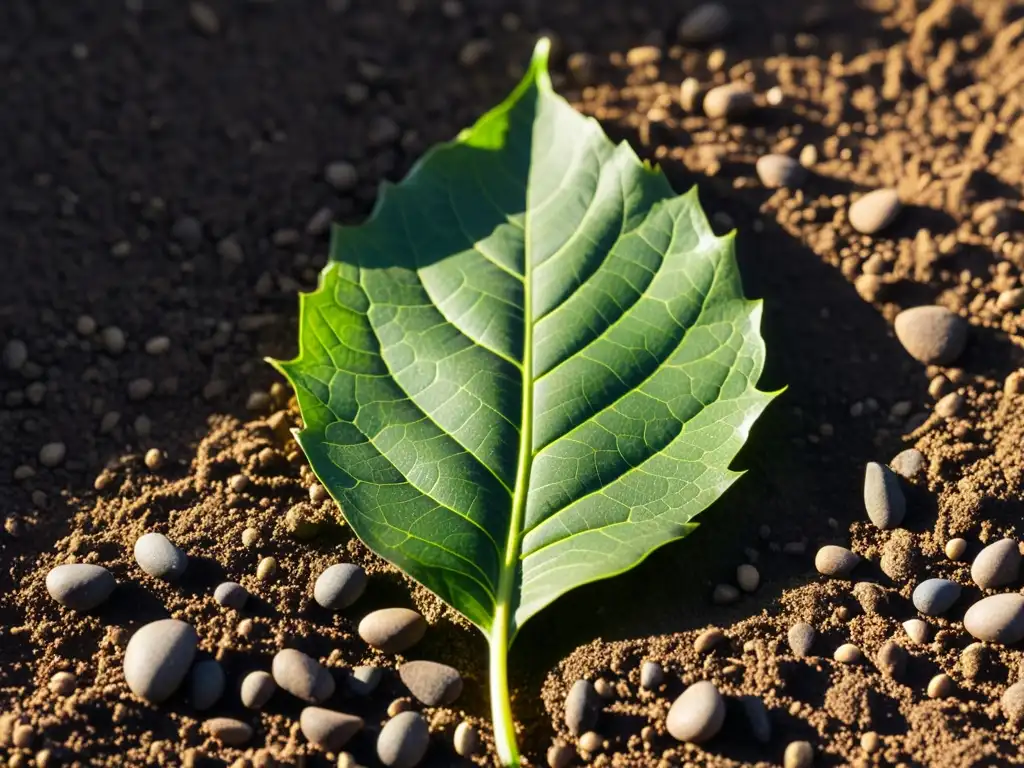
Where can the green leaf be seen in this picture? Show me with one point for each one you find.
(529, 368)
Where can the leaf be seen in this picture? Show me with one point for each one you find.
(530, 367)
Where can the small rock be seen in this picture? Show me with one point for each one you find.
(158, 657)
(560, 756)
(809, 156)
(801, 637)
(15, 355)
(909, 463)
(956, 548)
(651, 675)
(80, 586)
(875, 211)
(724, 594)
(604, 688)
(52, 454)
(847, 653)
(257, 688)
(228, 731)
(835, 561)
(931, 334)
(997, 619)
(691, 94)
(341, 175)
(113, 339)
(997, 564)
(187, 230)
(158, 345)
(934, 597)
(972, 659)
(392, 630)
(158, 557)
(582, 705)
(1010, 300)
(302, 676)
(758, 718)
(466, 740)
(697, 715)
(780, 171)
(1012, 704)
(917, 630)
(940, 687)
(206, 684)
(949, 406)
(871, 597)
(892, 659)
(883, 497)
(591, 742)
(433, 684)
(403, 740)
(708, 639)
(339, 586)
(798, 754)
(748, 577)
(327, 729)
(63, 683)
(364, 680)
(154, 459)
(231, 595)
(267, 568)
(706, 23)
(899, 556)
(731, 101)
(870, 742)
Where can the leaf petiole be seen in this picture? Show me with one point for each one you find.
(501, 704)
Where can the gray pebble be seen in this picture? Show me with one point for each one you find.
(364, 680)
(15, 354)
(341, 175)
(697, 715)
(931, 334)
(651, 675)
(228, 731)
(113, 339)
(757, 716)
(188, 231)
(205, 684)
(997, 564)
(1012, 704)
(467, 740)
(158, 657)
(934, 597)
(257, 688)
(909, 463)
(997, 619)
(779, 171)
(52, 454)
(433, 684)
(80, 586)
(724, 594)
(327, 729)
(392, 630)
(748, 577)
(731, 101)
(706, 23)
(158, 557)
(339, 586)
(302, 676)
(560, 755)
(582, 706)
(231, 595)
(801, 637)
(403, 740)
(917, 630)
(875, 211)
(835, 561)
(883, 497)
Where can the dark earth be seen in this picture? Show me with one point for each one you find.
(164, 175)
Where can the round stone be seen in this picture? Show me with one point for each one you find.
(748, 577)
(257, 688)
(875, 211)
(63, 683)
(697, 715)
(956, 548)
(582, 705)
(835, 561)
(403, 740)
(997, 619)
(891, 659)
(158, 657)
(433, 684)
(731, 101)
(883, 497)
(651, 675)
(931, 334)
(917, 630)
(466, 740)
(758, 718)
(158, 557)
(560, 756)
(231, 595)
(341, 175)
(80, 586)
(940, 687)
(52, 454)
(847, 653)
(909, 463)
(327, 729)
(996, 565)
(339, 586)
(591, 742)
(780, 171)
(801, 638)
(392, 630)
(798, 754)
(228, 731)
(206, 684)
(708, 639)
(302, 676)
(706, 23)
(364, 680)
(934, 597)
(724, 594)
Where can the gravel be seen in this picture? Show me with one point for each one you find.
(80, 586)
(698, 714)
(158, 557)
(158, 658)
(392, 630)
(403, 740)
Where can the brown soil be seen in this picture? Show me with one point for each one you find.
(123, 118)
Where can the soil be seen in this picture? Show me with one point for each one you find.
(163, 175)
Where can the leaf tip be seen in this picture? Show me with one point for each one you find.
(539, 62)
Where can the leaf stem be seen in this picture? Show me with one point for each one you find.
(501, 705)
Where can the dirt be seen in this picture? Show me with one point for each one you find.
(121, 120)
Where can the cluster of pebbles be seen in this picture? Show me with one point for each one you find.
(162, 657)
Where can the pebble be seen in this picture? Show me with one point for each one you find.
(724, 594)
(560, 755)
(52, 454)
(798, 754)
(158, 657)
(80, 586)
(604, 689)
(779, 171)
(883, 497)
(748, 577)
(158, 345)
(15, 354)
(690, 93)
(339, 586)
(956, 548)
(364, 680)
(934, 597)
(140, 389)
(154, 458)
(931, 334)
(847, 653)
(206, 684)
(1010, 299)
(997, 564)
(431, 683)
(466, 740)
(892, 659)
(917, 630)
(708, 639)
(63, 683)
(875, 211)
(801, 638)
(228, 731)
(997, 619)
(809, 156)
(870, 742)
(940, 687)
(327, 729)
(591, 742)
(267, 568)
(1012, 704)
(835, 561)
(231, 595)
(872, 598)
(909, 463)
(972, 659)
(582, 706)
(341, 175)
(113, 340)
(302, 676)
(403, 740)
(706, 23)
(757, 716)
(731, 101)
(392, 630)
(399, 705)
(697, 715)
(949, 406)
(651, 675)
(257, 688)
(158, 557)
